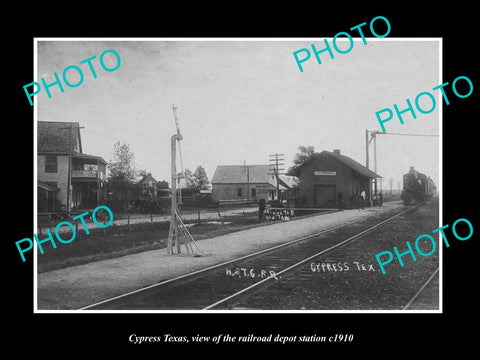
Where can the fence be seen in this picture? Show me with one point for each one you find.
(126, 222)
(159, 204)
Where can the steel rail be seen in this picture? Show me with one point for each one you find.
(300, 263)
(420, 291)
(248, 256)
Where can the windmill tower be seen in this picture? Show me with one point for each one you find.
(178, 233)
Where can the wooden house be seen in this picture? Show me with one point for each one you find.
(246, 183)
(67, 178)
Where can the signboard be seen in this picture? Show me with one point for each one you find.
(262, 186)
(326, 173)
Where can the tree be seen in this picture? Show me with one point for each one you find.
(142, 173)
(162, 184)
(122, 166)
(201, 179)
(198, 180)
(189, 181)
(122, 172)
(304, 153)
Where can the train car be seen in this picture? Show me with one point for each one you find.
(417, 187)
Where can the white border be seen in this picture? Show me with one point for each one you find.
(230, 39)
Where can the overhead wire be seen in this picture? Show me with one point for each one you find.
(387, 133)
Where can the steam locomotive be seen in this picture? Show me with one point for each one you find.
(417, 187)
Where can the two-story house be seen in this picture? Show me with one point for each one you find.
(147, 186)
(67, 179)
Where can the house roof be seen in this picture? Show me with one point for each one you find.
(147, 177)
(55, 137)
(354, 165)
(47, 187)
(289, 181)
(237, 174)
(86, 156)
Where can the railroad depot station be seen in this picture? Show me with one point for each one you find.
(69, 180)
(319, 182)
(236, 256)
(327, 174)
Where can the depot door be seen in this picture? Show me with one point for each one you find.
(325, 195)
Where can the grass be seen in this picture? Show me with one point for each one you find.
(120, 240)
(116, 241)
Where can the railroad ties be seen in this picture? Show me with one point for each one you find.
(257, 282)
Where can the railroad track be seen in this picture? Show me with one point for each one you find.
(223, 285)
(419, 292)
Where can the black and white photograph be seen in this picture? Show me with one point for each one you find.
(229, 175)
(180, 181)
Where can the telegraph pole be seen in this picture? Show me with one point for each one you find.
(374, 138)
(375, 159)
(247, 168)
(276, 170)
(367, 143)
(69, 182)
(70, 153)
(366, 147)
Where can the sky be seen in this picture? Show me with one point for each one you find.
(240, 100)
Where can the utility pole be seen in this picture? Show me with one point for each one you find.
(374, 138)
(248, 185)
(247, 168)
(368, 140)
(70, 153)
(375, 159)
(69, 182)
(367, 143)
(276, 169)
(366, 147)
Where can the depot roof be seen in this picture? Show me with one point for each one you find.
(354, 165)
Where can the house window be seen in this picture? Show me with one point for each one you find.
(254, 192)
(239, 192)
(90, 167)
(51, 163)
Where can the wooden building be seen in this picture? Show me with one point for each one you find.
(327, 174)
(67, 178)
(246, 183)
(149, 187)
